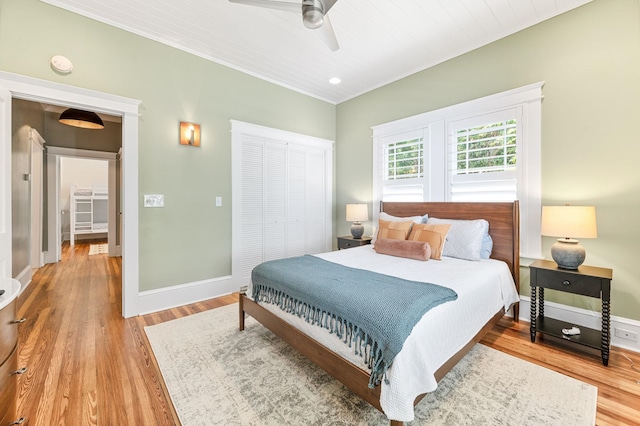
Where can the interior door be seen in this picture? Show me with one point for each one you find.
(5, 183)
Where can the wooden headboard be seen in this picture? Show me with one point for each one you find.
(503, 218)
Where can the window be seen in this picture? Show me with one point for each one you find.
(403, 167)
(483, 157)
(487, 149)
(404, 160)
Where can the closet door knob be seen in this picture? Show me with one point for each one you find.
(18, 321)
(18, 422)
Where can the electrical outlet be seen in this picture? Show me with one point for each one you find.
(626, 335)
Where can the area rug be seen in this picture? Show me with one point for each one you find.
(217, 375)
(99, 249)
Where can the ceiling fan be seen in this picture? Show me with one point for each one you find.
(314, 15)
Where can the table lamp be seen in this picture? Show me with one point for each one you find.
(569, 222)
(357, 213)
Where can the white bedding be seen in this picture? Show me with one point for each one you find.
(483, 287)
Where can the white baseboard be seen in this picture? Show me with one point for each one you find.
(25, 277)
(585, 318)
(184, 294)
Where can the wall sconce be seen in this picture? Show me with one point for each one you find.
(189, 134)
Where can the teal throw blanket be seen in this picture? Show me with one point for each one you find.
(374, 313)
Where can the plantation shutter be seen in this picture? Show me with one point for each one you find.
(403, 167)
(482, 157)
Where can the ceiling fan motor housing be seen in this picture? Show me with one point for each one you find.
(312, 14)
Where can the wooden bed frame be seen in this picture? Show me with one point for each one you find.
(504, 228)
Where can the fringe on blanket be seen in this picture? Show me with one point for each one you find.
(364, 345)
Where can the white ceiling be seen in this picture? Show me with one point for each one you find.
(381, 41)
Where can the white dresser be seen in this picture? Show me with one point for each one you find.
(9, 370)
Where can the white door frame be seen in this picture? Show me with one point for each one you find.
(5, 183)
(37, 90)
(37, 158)
(54, 153)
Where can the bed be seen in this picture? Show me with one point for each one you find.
(393, 399)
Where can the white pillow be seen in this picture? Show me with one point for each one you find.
(388, 217)
(464, 240)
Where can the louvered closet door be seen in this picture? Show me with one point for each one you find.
(316, 201)
(275, 190)
(297, 209)
(281, 201)
(307, 205)
(251, 215)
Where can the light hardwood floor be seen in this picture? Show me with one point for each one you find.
(89, 366)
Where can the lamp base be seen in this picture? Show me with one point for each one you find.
(568, 253)
(357, 230)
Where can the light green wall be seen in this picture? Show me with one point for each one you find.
(189, 239)
(589, 59)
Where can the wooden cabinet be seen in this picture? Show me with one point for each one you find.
(9, 370)
(587, 281)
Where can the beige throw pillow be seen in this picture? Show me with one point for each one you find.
(435, 235)
(393, 230)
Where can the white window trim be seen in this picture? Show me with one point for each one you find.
(434, 126)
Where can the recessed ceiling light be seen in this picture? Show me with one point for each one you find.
(335, 80)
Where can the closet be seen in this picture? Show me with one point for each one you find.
(282, 205)
(89, 208)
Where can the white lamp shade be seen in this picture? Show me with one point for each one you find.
(357, 212)
(569, 221)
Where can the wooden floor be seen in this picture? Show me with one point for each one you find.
(89, 366)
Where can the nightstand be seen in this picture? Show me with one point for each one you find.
(586, 280)
(348, 242)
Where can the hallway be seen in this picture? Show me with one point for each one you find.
(86, 364)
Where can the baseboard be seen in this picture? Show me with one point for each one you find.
(184, 294)
(585, 318)
(25, 277)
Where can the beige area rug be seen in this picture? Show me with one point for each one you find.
(217, 375)
(99, 249)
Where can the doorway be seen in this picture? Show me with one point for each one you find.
(13, 86)
(84, 200)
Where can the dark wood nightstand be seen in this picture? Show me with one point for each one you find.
(348, 241)
(586, 280)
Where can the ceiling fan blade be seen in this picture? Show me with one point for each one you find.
(328, 4)
(272, 4)
(327, 35)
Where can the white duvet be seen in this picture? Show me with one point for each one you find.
(483, 287)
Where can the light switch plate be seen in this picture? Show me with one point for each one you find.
(153, 200)
(218, 201)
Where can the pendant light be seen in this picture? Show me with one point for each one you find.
(79, 118)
